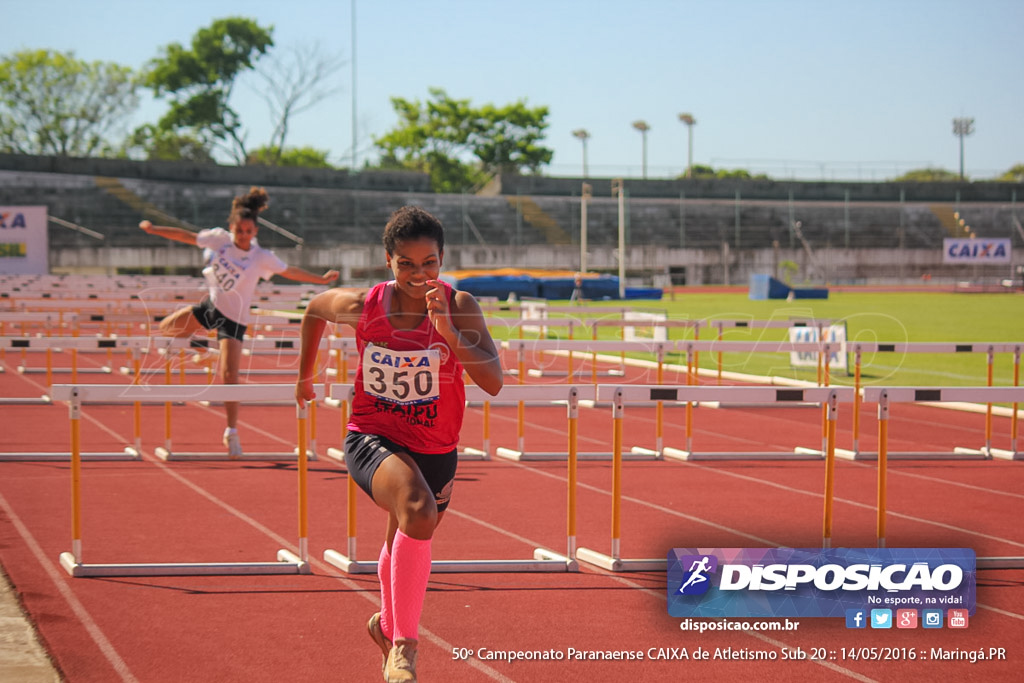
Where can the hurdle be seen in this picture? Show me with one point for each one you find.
(1014, 453)
(634, 394)
(75, 344)
(958, 452)
(132, 452)
(885, 397)
(586, 398)
(749, 396)
(544, 560)
(79, 395)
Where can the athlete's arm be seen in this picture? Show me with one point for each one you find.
(171, 233)
(466, 332)
(332, 306)
(303, 275)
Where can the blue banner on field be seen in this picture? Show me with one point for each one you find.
(816, 582)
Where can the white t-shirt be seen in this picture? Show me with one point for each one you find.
(233, 274)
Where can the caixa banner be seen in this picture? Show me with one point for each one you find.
(816, 582)
(975, 250)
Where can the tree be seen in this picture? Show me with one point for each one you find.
(707, 172)
(154, 144)
(306, 157)
(201, 78)
(1014, 175)
(928, 175)
(53, 103)
(459, 145)
(295, 82)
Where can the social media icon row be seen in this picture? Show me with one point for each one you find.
(905, 618)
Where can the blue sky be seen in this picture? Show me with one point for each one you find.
(795, 88)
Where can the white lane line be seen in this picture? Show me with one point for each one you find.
(55, 575)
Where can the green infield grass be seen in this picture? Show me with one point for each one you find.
(869, 316)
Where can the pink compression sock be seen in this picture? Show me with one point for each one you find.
(410, 571)
(384, 574)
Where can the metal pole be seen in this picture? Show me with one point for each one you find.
(353, 86)
(617, 188)
(583, 227)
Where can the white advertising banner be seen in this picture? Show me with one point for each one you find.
(24, 247)
(976, 250)
(643, 332)
(834, 334)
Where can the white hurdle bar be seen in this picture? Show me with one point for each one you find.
(727, 395)
(930, 395)
(885, 396)
(639, 394)
(76, 395)
(544, 560)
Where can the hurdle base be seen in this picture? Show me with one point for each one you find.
(544, 561)
(287, 563)
(125, 370)
(1004, 454)
(955, 454)
(798, 453)
(999, 562)
(129, 453)
(520, 456)
(473, 454)
(515, 404)
(641, 453)
(102, 370)
(42, 400)
(983, 452)
(336, 454)
(617, 564)
(168, 456)
(582, 374)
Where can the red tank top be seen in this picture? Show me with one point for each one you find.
(408, 385)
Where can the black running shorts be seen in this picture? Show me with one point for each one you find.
(212, 319)
(365, 452)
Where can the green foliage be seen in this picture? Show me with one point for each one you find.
(154, 144)
(1014, 175)
(199, 81)
(709, 173)
(306, 157)
(789, 269)
(460, 145)
(927, 175)
(52, 103)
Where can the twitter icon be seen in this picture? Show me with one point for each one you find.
(881, 618)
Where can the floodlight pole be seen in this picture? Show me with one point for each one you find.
(582, 135)
(688, 119)
(617, 189)
(962, 127)
(584, 196)
(643, 128)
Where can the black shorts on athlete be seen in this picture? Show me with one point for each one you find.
(212, 319)
(365, 452)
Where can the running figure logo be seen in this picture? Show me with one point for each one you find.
(696, 580)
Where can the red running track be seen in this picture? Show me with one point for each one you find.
(312, 627)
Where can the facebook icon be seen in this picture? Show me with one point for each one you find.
(856, 618)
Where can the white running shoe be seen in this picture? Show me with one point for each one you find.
(233, 443)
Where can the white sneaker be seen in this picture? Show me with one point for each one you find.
(233, 443)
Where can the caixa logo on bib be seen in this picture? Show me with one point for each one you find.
(814, 582)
